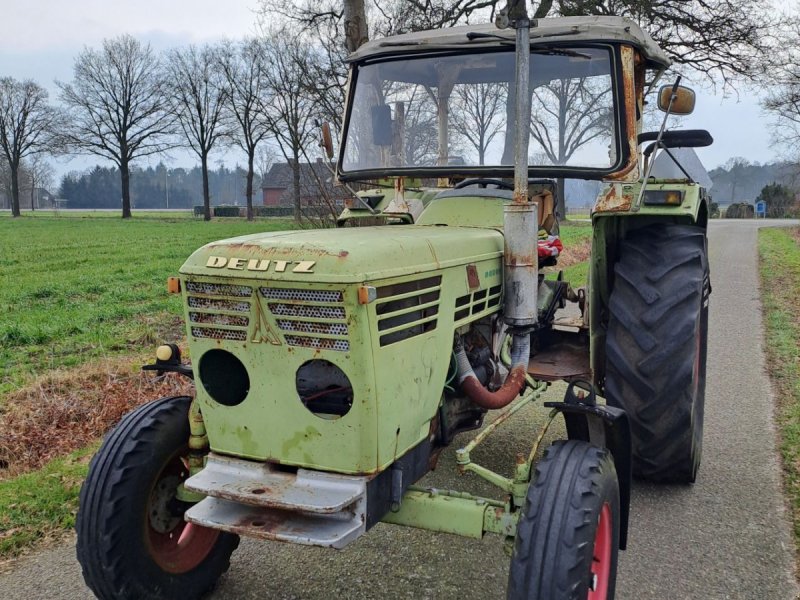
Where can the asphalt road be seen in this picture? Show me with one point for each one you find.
(726, 537)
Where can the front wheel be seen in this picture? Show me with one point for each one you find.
(132, 539)
(568, 533)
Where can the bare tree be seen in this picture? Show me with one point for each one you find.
(27, 127)
(116, 101)
(40, 175)
(566, 115)
(474, 114)
(242, 65)
(291, 112)
(198, 92)
(727, 40)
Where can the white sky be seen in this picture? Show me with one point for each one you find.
(39, 38)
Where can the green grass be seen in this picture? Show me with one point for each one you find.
(72, 289)
(39, 504)
(780, 277)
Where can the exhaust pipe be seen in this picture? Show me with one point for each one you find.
(520, 231)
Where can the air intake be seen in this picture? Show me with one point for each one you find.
(310, 318)
(218, 311)
(407, 309)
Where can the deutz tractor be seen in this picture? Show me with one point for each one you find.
(333, 366)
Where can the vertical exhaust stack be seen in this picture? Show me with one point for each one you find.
(520, 219)
(521, 228)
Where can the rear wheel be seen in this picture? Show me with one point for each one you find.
(132, 539)
(568, 533)
(656, 347)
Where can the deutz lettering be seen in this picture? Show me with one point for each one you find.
(256, 264)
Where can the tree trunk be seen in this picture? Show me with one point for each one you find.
(125, 176)
(298, 209)
(561, 199)
(250, 158)
(33, 192)
(15, 212)
(355, 24)
(206, 194)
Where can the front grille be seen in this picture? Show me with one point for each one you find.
(310, 318)
(220, 313)
(219, 334)
(407, 309)
(302, 295)
(219, 289)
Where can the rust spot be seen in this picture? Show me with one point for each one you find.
(473, 280)
(629, 171)
(503, 397)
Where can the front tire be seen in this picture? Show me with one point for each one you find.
(132, 539)
(568, 534)
(656, 348)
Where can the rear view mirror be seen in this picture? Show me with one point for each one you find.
(381, 125)
(682, 99)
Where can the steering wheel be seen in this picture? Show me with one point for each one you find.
(483, 182)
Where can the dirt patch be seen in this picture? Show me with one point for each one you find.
(575, 254)
(67, 410)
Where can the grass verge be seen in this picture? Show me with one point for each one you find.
(41, 505)
(779, 250)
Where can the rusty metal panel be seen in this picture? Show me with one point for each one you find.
(631, 94)
(566, 357)
(279, 525)
(263, 485)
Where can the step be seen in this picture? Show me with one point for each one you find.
(264, 485)
(334, 531)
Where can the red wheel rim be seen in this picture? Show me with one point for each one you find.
(182, 546)
(601, 556)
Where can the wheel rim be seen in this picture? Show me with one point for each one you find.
(601, 556)
(175, 545)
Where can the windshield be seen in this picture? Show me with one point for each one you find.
(457, 110)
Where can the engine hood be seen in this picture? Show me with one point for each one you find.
(348, 255)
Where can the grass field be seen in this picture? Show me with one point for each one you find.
(72, 289)
(779, 250)
(79, 287)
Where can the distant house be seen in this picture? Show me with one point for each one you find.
(317, 185)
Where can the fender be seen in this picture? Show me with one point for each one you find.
(607, 427)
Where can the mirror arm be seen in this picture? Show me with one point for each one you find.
(652, 159)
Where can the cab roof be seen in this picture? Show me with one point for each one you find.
(543, 31)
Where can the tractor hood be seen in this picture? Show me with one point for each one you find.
(348, 255)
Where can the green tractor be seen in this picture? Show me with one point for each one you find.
(333, 366)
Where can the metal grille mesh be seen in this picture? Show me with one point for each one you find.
(217, 319)
(302, 295)
(304, 327)
(219, 289)
(212, 304)
(310, 304)
(219, 334)
(311, 312)
(319, 343)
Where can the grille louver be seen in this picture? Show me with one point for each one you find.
(407, 309)
(310, 318)
(477, 302)
(220, 313)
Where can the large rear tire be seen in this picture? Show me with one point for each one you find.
(132, 539)
(568, 533)
(656, 348)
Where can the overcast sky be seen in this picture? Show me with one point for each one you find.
(40, 38)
